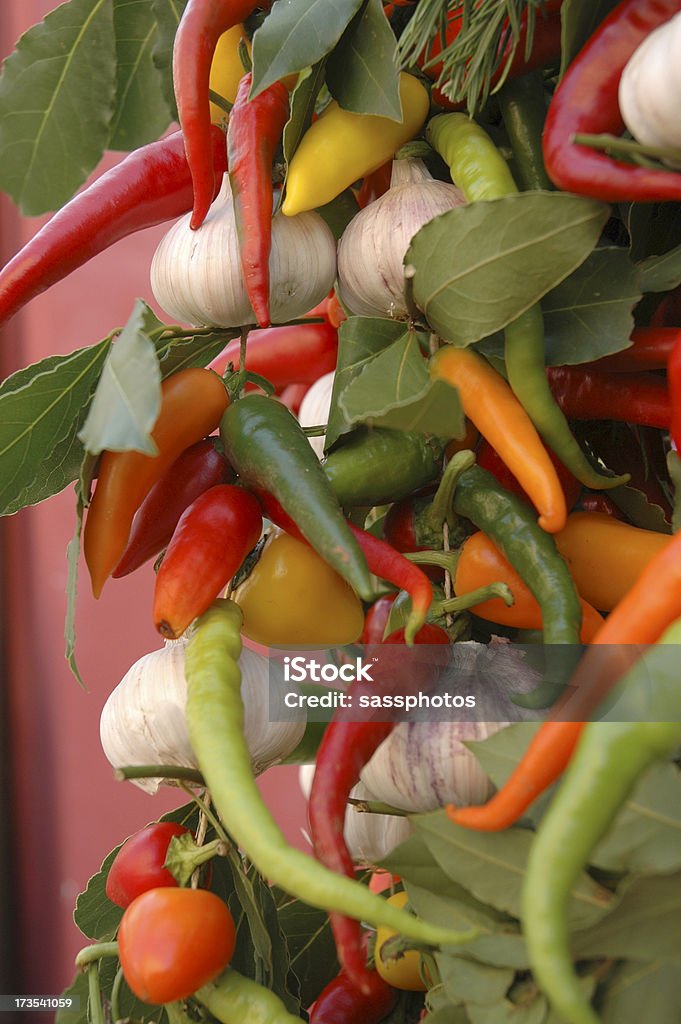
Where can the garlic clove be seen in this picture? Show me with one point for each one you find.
(315, 408)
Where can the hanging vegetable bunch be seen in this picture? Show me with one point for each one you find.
(432, 216)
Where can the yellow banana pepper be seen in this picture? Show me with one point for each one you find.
(226, 70)
(341, 147)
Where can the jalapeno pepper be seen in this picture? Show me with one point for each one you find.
(378, 466)
(192, 403)
(268, 449)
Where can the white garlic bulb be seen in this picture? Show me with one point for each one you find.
(369, 837)
(372, 249)
(196, 275)
(143, 720)
(314, 409)
(650, 88)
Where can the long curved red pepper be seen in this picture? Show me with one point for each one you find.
(150, 186)
(600, 395)
(674, 378)
(585, 102)
(201, 25)
(292, 354)
(345, 748)
(488, 458)
(198, 468)
(253, 133)
(650, 350)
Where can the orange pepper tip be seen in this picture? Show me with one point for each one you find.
(167, 631)
(553, 521)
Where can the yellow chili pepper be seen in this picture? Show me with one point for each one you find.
(606, 556)
(491, 406)
(292, 597)
(226, 70)
(341, 147)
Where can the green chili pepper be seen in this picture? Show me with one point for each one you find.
(232, 997)
(479, 170)
(523, 108)
(532, 552)
(609, 759)
(379, 466)
(266, 445)
(215, 720)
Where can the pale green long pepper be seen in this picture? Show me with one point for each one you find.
(215, 718)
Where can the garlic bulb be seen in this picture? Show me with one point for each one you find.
(143, 720)
(650, 88)
(314, 409)
(369, 837)
(424, 765)
(196, 275)
(372, 248)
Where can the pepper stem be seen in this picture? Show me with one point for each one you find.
(96, 1015)
(158, 771)
(93, 954)
(465, 601)
(446, 560)
(440, 510)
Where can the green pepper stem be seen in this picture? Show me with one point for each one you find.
(465, 601)
(158, 771)
(627, 147)
(95, 1000)
(376, 807)
(446, 560)
(441, 508)
(92, 954)
(116, 995)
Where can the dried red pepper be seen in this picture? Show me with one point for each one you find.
(253, 134)
(292, 354)
(197, 469)
(586, 102)
(210, 542)
(641, 398)
(150, 186)
(201, 25)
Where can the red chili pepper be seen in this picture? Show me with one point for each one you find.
(387, 563)
(209, 544)
(650, 350)
(292, 396)
(674, 377)
(489, 460)
(150, 186)
(546, 47)
(253, 133)
(668, 312)
(598, 395)
(585, 102)
(295, 354)
(201, 25)
(376, 619)
(198, 468)
(375, 185)
(592, 501)
(345, 748)
(341, 1002)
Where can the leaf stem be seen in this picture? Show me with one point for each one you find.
(158, 771)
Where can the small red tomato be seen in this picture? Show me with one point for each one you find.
(138, 865)
(173, 941)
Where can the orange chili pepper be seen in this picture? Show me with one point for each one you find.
(192, 404)
(481, 563)
(606, 556)
(493, 408)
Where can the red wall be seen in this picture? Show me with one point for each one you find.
(68, 811)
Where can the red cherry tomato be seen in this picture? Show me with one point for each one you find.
(138, 865)
(173, 941)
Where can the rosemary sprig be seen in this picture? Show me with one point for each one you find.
(483, 48)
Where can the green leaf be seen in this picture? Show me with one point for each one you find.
(56, 100)
(505, 1012)
(579, 20)
(311, 947)
(141, 114)
(95, 915)
(42, 408)
(661, 273)
(639, 509)
(295, 35)
(491, 866)
(72, 561)
(394, 389)
(500, 753)
(303, 99)
(362, 73)
(167, 14)
(589, 314)
(472, 982)
(646, 925)
(646, 837)
(128, 397)
(182, 353)
(359, 338)
(480, 266)
(636, 987)
(447, 1015)
(674, 467)
(339, 212)
(77, 990)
